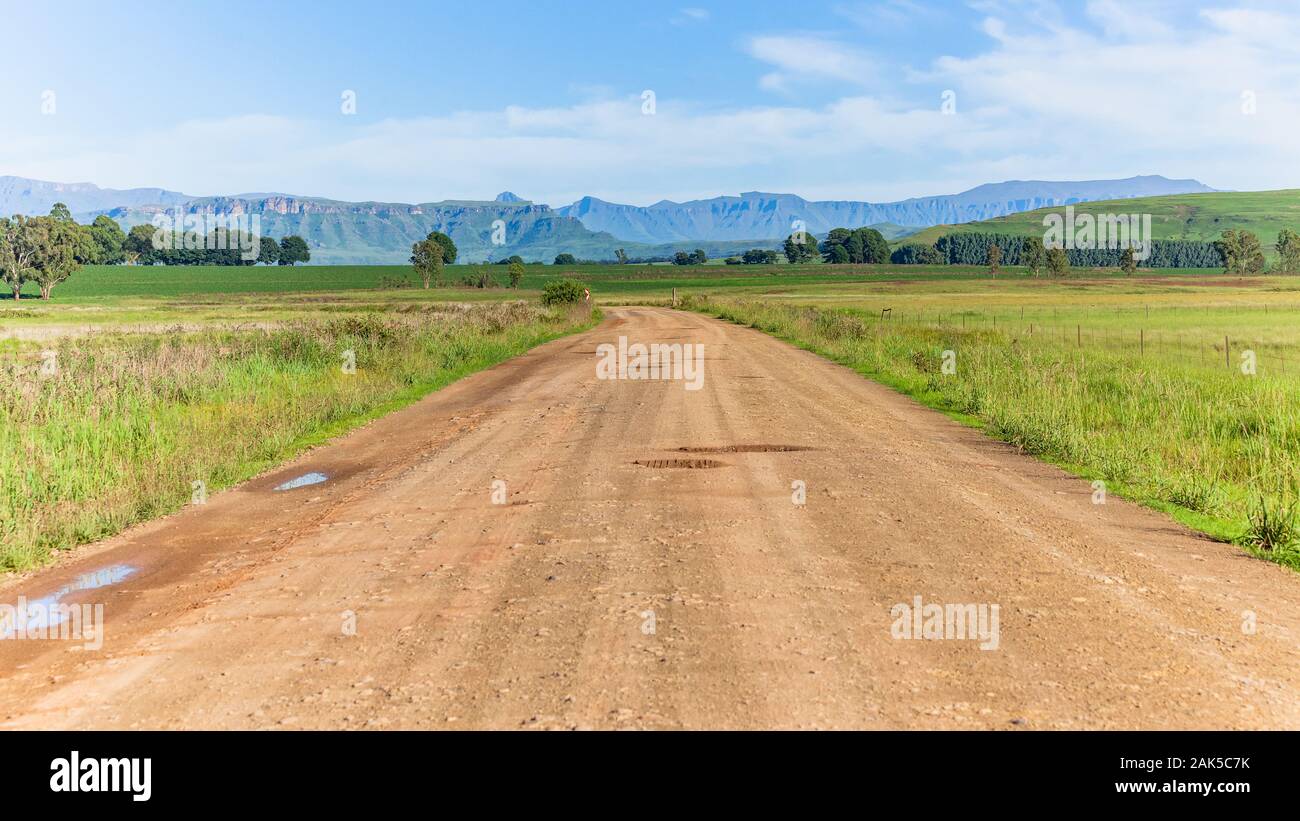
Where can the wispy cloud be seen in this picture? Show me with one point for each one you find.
(888, 12)
(809, 57)
(687, 16)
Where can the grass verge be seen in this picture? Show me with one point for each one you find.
(114, 429)
(1217, 450)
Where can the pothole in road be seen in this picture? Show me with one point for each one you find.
(303, 481)
(746, 449)
(46, 612)
(688, 464)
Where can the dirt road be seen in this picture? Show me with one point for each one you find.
(605, 593)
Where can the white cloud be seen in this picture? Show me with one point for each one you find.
(1125, 88)
(809, 57)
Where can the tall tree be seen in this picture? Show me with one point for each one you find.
(1242, 253)
(995, 259)
(516, 272)
(56, 243)
(834, 249)
(835, 254)
(139, 245)
(875, 248)
(108, 237)
(427, 257)
(16, 253)
(799, 248)
(1288, 252)
(78, 237)
(449, 250)
(1128, 262)
(268, 251)
(856, 247)
(1033, 255)
(1058, 261)
(293, 249)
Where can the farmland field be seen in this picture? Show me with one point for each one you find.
(1155, 400)
(1124, 381)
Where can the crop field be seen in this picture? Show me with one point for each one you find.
(109, 284)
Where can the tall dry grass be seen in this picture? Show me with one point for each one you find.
(126, 424)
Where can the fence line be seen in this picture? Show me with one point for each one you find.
(1204, 349)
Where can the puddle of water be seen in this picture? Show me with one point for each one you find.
(42, 612)
(304, 480)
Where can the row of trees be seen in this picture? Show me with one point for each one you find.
(1243, 254)
(220, 247)
(48, 250)
(1239, 252)
(754, 256)
(865, 246)
(973, 249)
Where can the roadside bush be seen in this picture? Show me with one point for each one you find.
(563, 292)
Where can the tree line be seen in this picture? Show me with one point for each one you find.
(219, 247)
(973, 249)
(1237, 251)
(48, 250)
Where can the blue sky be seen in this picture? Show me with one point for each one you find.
(823, 99)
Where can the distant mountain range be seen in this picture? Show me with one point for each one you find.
(342, 232)
(19, 195)
(770, 216)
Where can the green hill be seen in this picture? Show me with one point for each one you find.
(1201, 217)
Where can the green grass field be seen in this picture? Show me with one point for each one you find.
(107, 283)
(111, 284)
(1135, 381)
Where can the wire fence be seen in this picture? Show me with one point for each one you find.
(1120, 331)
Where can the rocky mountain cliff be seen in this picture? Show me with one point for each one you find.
(756, 215)
(382, 232)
